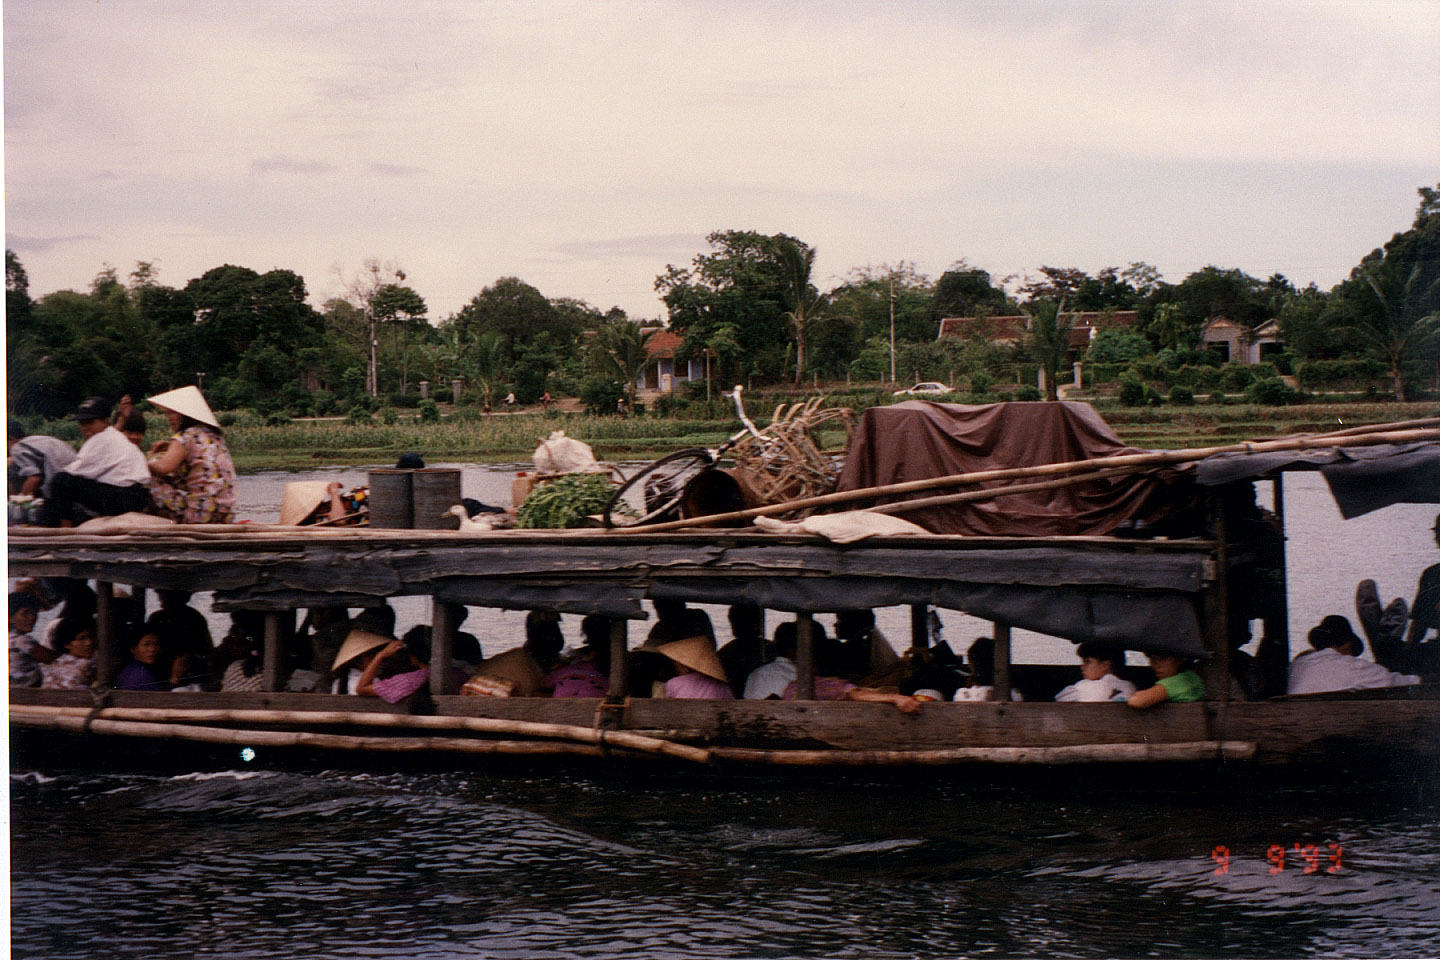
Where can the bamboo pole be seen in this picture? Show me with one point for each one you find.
(1160, 458)
(614, 738)
(1191, 751)
(992, 493)
(1081, 753)
(1382, 427)
(296, 738)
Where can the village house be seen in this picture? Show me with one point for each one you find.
(1235, 344)
(1008, 331)
(663, 373)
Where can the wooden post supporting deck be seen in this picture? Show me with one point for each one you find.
(1215, 670)
(805, 657)
(273, 667)
(619, 665)
(920, 625)
(1001, 690)
(107, 653)
(443, 618)
(1274, 652)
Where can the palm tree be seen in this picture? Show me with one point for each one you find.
(618, 350)
(1406, 318)
(484, 358)
(806, 305)
(1050, 339)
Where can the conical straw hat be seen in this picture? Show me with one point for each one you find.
(188, 401)
(356, 643)
(697, 653)
(301, 498)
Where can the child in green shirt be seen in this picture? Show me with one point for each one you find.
(1174, 682)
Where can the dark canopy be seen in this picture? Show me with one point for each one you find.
(1361, 479)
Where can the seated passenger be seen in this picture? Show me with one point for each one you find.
(587, 674)
(185, 637)
(1336, 664)
(746, 650)
(193, 479)
(359, 648)
(525, 667)
(1422, 649)
(769, 682)
(981, 684)
(865, 649)
(699, 673)
(108, 476)
(1099, 683)
(407, 662)
(74, 669)
(26, 653)
(675, 621)
(1174, 682)
(141, 673)
(246, 674)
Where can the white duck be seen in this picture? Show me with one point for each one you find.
(482, 523)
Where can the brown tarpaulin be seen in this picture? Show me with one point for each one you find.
(918, 440)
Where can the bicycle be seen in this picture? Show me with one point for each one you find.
(662, 482)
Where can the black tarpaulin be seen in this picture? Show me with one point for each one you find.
(1361, 479)
(1159, 621)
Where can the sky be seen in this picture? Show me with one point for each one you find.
(584, 146)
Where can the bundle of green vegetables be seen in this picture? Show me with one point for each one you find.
(565, 501)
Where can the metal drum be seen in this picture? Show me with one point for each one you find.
(435, 490)
(390, 499)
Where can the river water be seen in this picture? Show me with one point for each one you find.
(263, 859)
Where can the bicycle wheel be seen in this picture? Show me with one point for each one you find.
(659, 486)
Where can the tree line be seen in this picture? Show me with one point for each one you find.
(749, 303)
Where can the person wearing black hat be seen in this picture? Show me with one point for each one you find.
(108, 476)
(1335, 663)
(34, 460)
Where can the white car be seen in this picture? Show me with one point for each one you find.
(922, 389)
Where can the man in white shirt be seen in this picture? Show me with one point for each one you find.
(1335, 663)
(107, 477)
(769, 682)
(1098, 684)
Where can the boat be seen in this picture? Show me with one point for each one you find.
(1130, 587)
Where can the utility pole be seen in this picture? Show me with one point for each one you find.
(892, 328)
(373, 375)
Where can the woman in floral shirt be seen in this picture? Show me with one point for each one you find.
(193, 479)
(75, 668)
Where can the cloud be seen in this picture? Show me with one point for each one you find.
(283, 164)
(45, 244)
(652, 246)
(395, 170)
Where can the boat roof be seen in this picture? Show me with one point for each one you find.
(1361, 479)
(1081, 588)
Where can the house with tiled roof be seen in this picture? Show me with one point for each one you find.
(665, 374)
(1010, 330)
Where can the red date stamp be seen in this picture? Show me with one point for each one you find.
(1307, 858)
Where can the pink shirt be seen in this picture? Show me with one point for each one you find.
(697, 686)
